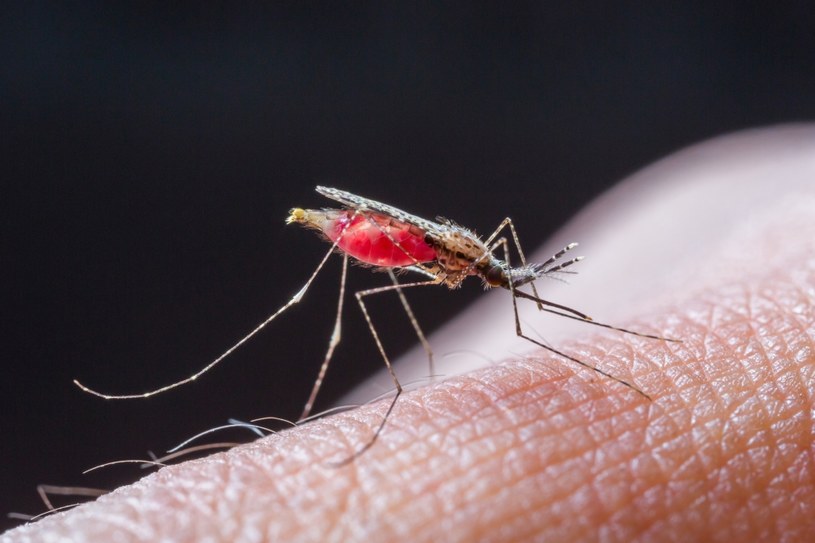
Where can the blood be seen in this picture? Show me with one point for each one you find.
(370, 238)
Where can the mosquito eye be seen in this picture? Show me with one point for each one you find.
(495, 276)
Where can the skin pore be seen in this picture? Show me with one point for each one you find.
(536, 449)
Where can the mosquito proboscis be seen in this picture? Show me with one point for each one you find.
(441, 252)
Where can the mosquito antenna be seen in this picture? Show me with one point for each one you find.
(295, 299)
(588, 320)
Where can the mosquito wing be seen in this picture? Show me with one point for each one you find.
(365, 204)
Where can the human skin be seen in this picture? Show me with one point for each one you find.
(537, 449)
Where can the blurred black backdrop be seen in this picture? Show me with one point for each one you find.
(151, 153)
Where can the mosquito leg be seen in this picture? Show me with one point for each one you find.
(576, 315)
(415, 323)
(332, 343)
(419, 267)
(359, 296)
(540, 301)
(519, 332)
(507, 222)
(295, 299)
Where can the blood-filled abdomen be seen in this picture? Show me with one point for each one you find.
(370, 238)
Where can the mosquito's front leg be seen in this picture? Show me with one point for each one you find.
(294, 299)
(507, 222)
(519, 332)
(332, 344)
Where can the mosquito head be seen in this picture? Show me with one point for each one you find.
(499, 275)
(496, 276)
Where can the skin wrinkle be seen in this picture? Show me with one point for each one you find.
(588, 459)
(497, 403)
(694, 399)
(487, 403)
(674, 451)
(774, 378)
(675, 434)
(270, 481)
(733, 329)
(513, 526)
(292, 486)
(433, 487)
(486, 399)
(468, 507)
(539, 478)
(452, 434)
(457, 503)
(623, 495)
(699, 457)
(645, 466)
(753, 301)
(615, 466)
(364, 500)
(500, 404)
(796, 372)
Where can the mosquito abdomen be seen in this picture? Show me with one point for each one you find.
(371, 238)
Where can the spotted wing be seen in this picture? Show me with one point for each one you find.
(364, 204)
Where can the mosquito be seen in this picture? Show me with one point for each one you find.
(441, 252)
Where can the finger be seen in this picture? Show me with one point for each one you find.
(534, 448)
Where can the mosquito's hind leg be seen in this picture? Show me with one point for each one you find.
(417, 267)
(332, 344)
(398, 386)
(415, 323)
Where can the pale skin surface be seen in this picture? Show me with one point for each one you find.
(535, 449)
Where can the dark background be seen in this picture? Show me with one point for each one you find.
(151, 154)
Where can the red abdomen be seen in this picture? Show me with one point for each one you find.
(370, 239)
